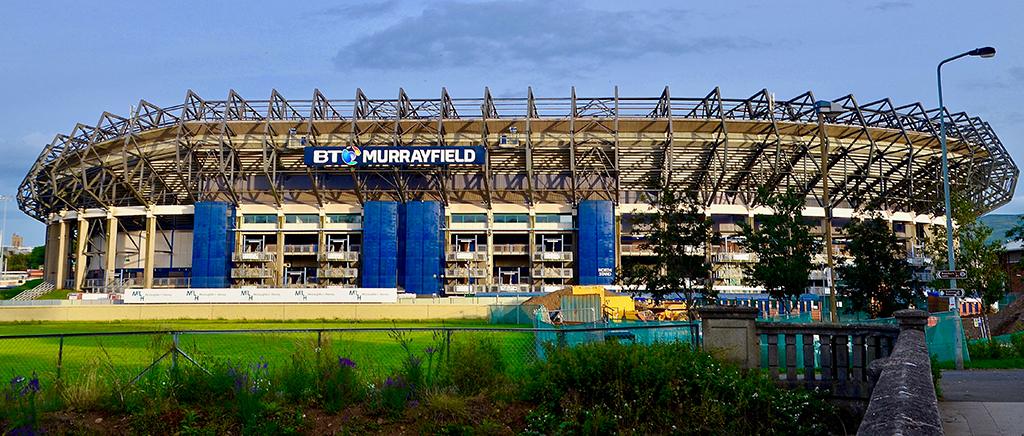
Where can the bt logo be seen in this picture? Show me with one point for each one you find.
(350, 155)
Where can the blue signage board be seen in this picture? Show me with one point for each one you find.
(352, 156)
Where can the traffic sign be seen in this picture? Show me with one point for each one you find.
(947, 293)
(954, 274)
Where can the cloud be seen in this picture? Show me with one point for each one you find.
(889, 6)
(362, 10)
(527, 35)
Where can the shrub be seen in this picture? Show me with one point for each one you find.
(987, 350)
(1017, 340)
(475, 365)
(661, 388)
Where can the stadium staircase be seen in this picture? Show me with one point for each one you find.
(36, 292)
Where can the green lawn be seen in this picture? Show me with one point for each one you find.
(126, 356)
(7, 294)
(60, 294)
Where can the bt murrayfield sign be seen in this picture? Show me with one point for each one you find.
(353, 156)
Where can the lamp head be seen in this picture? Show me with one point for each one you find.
(985, 52)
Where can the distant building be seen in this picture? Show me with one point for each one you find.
(16, 241)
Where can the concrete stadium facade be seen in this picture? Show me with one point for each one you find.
(465, 196)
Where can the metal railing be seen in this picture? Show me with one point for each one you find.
(340, 256)
(511, 288)
(252, 256)
(464, 289)
(466, 272)
(300, 248)
(636, 249)
(337, 272)
(553, 256)
(245, 272)
(172, 282)
(555, 273)
(465, 256)
(511, 249)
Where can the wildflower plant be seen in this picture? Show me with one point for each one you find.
(251, 384)
(340, 385)
(21, 401)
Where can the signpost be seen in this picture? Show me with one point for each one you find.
(953, 274)
(950, 293)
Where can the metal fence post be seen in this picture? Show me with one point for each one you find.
(174, 356)
(60, 356)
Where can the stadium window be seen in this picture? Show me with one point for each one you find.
(350, 218)
(259, 219)
(511, 218)
(464, 218)
(899, 227)
(302, 219)
(554, 218)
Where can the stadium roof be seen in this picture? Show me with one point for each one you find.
(539, 150)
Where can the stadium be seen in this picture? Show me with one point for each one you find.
(453, 196)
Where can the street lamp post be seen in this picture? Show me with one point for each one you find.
(985, 52)
(3, 233)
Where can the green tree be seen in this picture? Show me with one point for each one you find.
(985, 279)
(876, 280)
(783, 244)
(679, 234)
(17, 262)
(37, 257)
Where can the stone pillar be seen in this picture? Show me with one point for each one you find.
(60, 258)
(730, 333)
(911, 319)
(150, 263)
(111, 253)
(83, 242)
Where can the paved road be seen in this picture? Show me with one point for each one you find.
(983, 402)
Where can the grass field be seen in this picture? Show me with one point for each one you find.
(7, 294)
(125, 356)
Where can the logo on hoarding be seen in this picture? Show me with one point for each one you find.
(352, 155)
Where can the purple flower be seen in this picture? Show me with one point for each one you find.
(344, 361)
(430, 350)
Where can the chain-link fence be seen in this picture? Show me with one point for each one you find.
(378, 352)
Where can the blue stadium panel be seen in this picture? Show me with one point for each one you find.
(403, 218)
(212, 245)
(596, 255)
(421, 239)
(380, 244)
(371, 245)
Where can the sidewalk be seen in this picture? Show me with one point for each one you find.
(982, 402)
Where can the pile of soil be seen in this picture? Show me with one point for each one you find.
(550, 301)
(1009, 319)
(553, 300)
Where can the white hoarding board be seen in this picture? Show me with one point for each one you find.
(262, 295)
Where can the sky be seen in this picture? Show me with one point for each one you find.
(63, 63)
